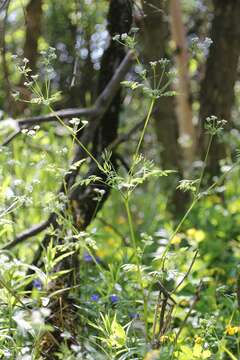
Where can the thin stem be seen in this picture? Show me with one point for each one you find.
(139, 274)
(8, 288)
(76, 139)
(195, 200)
(204, 165)
(179, 226)
(161, 77)
(145, 126)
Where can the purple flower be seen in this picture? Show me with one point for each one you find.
(37, 284)
(89, 259)
(95, 297)
(114, 298)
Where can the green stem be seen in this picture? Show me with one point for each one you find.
(139, 274)
(195, 200)
(179, 227)
(75, 138)
(4, 285)
(145, 127)
(204, 165)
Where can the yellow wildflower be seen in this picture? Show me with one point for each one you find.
(198, 340)
(197, 235)
(176, 239)
(101, 252)
(163, 338)
(232, 330)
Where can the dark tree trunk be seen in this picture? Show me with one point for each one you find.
(33, 19)
(33, 31)
(119, 21)
(217, 89)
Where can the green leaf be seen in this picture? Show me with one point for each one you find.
(118, 336)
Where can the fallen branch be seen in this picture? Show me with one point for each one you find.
(11, 137)
(35, 230)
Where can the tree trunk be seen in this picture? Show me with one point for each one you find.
(33, 31)
(33, 17)
(184, 107)
(155, 30)
(217, 89)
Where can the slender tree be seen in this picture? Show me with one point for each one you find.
(155, 30)
(184, 106)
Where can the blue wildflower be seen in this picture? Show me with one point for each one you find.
(89, 259)
(95, 297)
(114, 298)
(37, 284)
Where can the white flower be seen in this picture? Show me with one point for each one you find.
(23, 325)
(124, 36)
(9, 193)
(75, 121)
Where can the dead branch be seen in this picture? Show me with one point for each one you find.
(4, 4)
(36, 229)
(11, 137)
(163, 310)
(165, 292)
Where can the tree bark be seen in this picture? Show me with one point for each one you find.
(217, 88)
(33, 16)
(155, 30)
(33, 31)
(184, 107)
